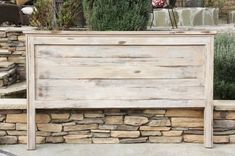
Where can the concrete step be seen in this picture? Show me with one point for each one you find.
(17, 89)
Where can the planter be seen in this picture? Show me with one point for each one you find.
(195, 3)
(120, 70)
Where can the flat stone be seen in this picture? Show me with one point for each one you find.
(135, 120)
(91, 121)
(230, 115)
(7, 126)
(22, 38)
(151, 133)
(131, 141)
(154, 111)
(17, 133)
(125, 134)
(160, 122)
(80, 127)
(76, 117)
(110, 127)
(12, 38)
(187, 122)
(43, 134)
(22, 118)
(62, 116)
(93, 115)
(196, 132)
(100, 131)
(105, 140)
(2, 117)
(100, 135)
(149, 128)
(230, 124)
(3, 34)
(3, 133)
(184, 113)
(219, 115)
(8, 140)
(50, 127)
(80, 132)
(163, 139)
(54, 139)
(114, 120)
(39, 140)
(78, 139)
(221, 139)
(59, 134)
(172, 133)
(232, 139)
(69, 124)
(193, 138)
(127, 127)
(228, 132)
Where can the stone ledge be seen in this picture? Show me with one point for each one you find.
(13, 104)
(16, 29)
(224, 105)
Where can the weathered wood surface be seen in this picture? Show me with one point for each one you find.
(121, 70)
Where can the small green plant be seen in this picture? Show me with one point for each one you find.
(116, 15)
(224, 80)
(48, 14)
(214, 3)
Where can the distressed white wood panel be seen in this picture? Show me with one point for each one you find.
(120, 104)
(94, 62)
(116, 93)
(87, 51)
(128, 83)
(119, 72)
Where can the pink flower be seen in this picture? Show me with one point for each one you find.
(158, 3)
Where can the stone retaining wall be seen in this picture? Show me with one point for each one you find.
(116, 126)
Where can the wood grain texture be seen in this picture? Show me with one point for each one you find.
(120, 70)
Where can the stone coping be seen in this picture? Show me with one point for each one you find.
(17, 29)
(223, 105)
(13, 104)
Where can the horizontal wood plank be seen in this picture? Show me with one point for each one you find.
(119, 72)
(120, 104)
(116, 93)
(94, 62)
(66, 51)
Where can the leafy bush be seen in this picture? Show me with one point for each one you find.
(224, 81)
(116, 15)
(51, 15)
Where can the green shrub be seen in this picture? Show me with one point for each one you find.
(50, 15)
(224, 80)
(116, 15)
